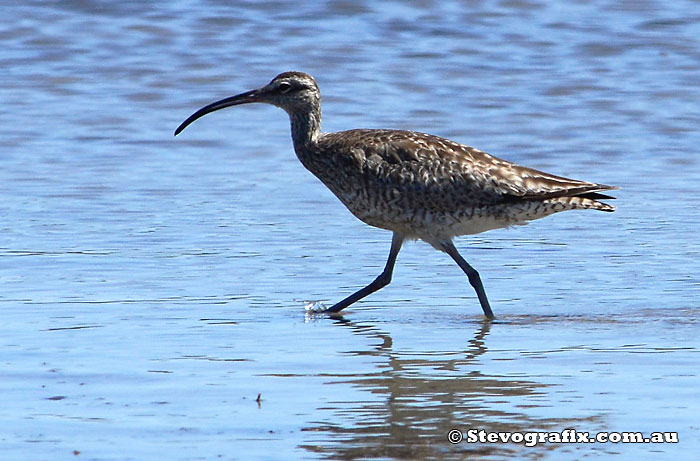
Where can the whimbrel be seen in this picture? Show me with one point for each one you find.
(417, 185)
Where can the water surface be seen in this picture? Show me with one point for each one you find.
(153, 287)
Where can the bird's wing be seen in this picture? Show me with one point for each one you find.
(431, 161)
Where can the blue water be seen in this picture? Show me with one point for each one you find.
(152, 287)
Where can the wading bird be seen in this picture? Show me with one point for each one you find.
(417, 185)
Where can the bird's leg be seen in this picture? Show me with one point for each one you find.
(380, 282)
(474, 279)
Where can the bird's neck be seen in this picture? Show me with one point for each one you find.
(306, 128)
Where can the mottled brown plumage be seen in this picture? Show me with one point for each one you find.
(417, 185)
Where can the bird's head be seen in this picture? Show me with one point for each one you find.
(295, 92)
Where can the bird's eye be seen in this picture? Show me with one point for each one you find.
(284, 87)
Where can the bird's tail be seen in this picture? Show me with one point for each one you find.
(587, 201)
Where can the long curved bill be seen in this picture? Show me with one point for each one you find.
(243, 98)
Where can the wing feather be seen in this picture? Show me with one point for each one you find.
(425, 160)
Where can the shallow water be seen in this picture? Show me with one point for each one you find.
(153, 287)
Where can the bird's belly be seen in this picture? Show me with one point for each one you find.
(439, 223)
(431, 225)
